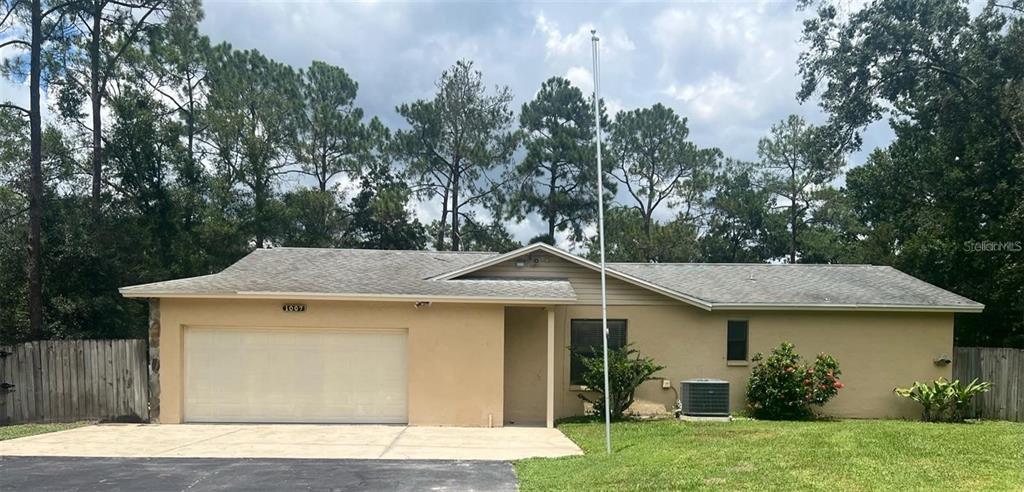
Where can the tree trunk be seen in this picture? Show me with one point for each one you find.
(648, 218)
(95, 98)
(35, 190)
(190, 121)
(648, 213)
(456, 243)
(322, 176)
(444, 219)
(259, 206)
(190, 177)
(792, 214)
(551, 204)
(792, 232)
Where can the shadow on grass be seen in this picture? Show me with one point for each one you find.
(590, 419)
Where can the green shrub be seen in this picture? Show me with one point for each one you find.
(960, 397)
(932, 398)
(781, 387)
(944, 401)
(627, 370)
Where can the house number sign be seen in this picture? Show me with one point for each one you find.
(293, 308)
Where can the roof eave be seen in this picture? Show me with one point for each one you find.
(917, 308)
(132, 294)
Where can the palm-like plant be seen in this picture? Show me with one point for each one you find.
(931, 397)
(960, 396)
(943, 400)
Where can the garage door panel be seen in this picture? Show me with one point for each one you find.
(295, 375)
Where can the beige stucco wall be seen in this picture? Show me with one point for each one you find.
(475, 364)
(525, 365)
(455, 359)
(876, 351)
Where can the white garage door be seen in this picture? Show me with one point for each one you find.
(295, 375)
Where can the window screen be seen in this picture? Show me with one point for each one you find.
(736, 345)
(585, 337)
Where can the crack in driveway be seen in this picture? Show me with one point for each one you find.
(393, 442)
(193, 443)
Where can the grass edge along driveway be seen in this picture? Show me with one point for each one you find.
(25, 430)
(749, 454)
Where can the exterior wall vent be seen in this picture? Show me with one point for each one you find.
(704, 397)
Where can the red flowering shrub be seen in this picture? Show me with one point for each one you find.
(781, 387)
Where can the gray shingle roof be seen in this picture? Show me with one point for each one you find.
(835, 285)
(380, 273)
(353, 272)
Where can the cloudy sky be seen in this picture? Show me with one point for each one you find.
(729, 67)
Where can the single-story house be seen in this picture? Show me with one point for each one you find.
(481, 339)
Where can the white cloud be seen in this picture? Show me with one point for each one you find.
(18, 94)
(613, 106)
(11, 91)
(672, 25)
(714, 97)
(527, 228)
(582, 78)
(428, 211)
(559, 44)
(579, 41)
(619, 41)
(14, 93)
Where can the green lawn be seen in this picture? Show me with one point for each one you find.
(22, 430)
(748, 454)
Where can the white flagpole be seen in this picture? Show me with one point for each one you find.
(600, 232)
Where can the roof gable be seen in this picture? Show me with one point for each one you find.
(571, 258)
(586, 282)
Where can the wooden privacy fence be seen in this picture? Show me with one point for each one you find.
(1004, 368)
(69, 380)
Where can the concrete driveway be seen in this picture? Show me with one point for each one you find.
(388, 442)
